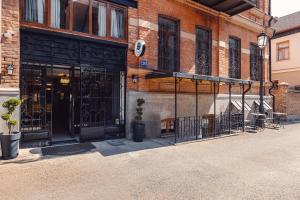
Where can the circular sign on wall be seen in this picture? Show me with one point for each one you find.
(140, 48)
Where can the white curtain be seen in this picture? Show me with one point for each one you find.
(55, 13)
(102, 20)
(117, 24)
(34, 10)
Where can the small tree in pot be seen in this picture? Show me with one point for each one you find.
(10, 141)
(138, 125)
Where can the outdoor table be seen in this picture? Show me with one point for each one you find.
(257, 118)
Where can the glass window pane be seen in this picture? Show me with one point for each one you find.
(168, 53)
(60, 14)
(34, 11)
(81, 16)
(117, 23)
(234, 58)
(99, 19)
(202, 51)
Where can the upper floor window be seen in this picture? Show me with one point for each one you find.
(254, 62)
(34, 11)
(97, 17)
(60, 14)
(81, 15)
(234, 57)
(117, 23)
(168, 44)
(203, 51)
(283, 51)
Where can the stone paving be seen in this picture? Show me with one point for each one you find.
(265, 165)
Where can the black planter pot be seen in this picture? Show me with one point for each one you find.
(138, 131)
(10, 145)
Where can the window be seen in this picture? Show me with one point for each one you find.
(254, 62)
(168, 44)
(99, 19)
(234, 57)
(117, 23)
(283, 51)
(81, 16)
(34, 11)
(60, 14)
(203, 51)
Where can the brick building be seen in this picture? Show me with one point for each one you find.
(75, 70)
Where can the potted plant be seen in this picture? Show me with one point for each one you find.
(138, 125)
(10, 140)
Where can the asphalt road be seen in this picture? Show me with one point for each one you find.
(249, 166)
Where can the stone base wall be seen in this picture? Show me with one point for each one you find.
(160, 106)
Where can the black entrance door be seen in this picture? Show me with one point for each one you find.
(61, 105)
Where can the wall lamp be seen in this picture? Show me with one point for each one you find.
(134, 78)
(10, 69)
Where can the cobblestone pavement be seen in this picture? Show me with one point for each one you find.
(264, 165)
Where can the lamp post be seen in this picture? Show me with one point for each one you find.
(262, 39)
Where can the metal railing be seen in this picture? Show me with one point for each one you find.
(206, 126)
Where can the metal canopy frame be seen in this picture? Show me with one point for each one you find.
(178, 76)
(230, 7)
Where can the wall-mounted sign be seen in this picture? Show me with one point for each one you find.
(144, 63)
(140, 48)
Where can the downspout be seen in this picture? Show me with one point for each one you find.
(270, 58)
(243, 102)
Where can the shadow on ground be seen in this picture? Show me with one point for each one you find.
(105, 148)
(115, 147)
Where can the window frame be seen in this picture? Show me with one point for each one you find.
(46, 15)
(47, 20)
(277, 50)
(239, 52)
(209, 49)
(178, 40)
(257, 78)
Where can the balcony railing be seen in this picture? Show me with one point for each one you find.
(230, 7)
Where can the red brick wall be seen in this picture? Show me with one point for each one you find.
(189, 18)
(10, 48)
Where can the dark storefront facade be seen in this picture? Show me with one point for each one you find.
(71, 87)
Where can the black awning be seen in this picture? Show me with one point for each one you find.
(230, 7)
(130, 3)
(154, 74)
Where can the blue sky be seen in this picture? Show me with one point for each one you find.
(284, 7)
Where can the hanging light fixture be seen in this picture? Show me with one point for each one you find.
(65, 80)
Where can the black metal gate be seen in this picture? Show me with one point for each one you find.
(36, 107)
(102, 103)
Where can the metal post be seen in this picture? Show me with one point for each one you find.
(243, 108)
(230, 87)
(261, 89)
(175, 122)
(196, 110)
(215, 109)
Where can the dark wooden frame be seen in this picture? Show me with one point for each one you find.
(257, 61)
(177, 21)
(210, 48)
(239, 51)
(47, 20)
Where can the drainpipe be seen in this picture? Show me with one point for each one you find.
(270, 58)
(243, 102)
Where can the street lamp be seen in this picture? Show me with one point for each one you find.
(262, 39)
